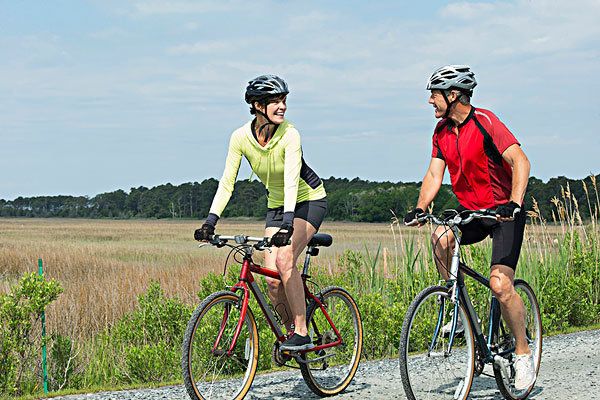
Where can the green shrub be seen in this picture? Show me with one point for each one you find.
(145, 345)
(158, 362)
(62, 363)
(20, 340)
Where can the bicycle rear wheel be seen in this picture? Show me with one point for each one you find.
(505, 340)
(210, 371)
(329, 371)
(427, 370)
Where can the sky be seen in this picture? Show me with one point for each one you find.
(97, 96)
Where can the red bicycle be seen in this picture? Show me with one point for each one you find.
(220, 347)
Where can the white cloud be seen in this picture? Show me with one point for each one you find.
(191, 26)
(201, 48)
(156, 7)
(310, 21)
(172, 7)
(471, 10)
(109, 33)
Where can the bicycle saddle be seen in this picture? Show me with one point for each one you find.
(321, 239)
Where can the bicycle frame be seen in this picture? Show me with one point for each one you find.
(246, 284)
(459, 295)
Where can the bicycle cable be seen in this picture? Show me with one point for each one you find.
(234, 250)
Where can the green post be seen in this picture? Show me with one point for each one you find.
(44, 366)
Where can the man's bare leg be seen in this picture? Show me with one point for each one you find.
(443, 249)
(512, 307)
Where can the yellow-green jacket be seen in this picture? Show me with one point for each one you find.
(279, 165)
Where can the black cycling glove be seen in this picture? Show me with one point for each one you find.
(208, 228)
(508, 210)
(283, 235)
(411, 217)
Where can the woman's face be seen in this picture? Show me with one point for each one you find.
(275, 109)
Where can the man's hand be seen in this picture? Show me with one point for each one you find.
(282, 237)
(508, 211)
(410, 219)
(205, 233)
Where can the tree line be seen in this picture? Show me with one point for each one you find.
(349, 200)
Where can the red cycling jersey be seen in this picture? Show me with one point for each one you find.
(473, 153)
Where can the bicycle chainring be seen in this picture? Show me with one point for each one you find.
(479, 361)
(280, 359)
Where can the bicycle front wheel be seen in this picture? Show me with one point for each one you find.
(505, 340)
(212, 369)
(329, 371)
(428, 370)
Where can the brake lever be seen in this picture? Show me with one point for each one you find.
(265, 245)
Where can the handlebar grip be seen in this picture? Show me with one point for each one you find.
(488, 211)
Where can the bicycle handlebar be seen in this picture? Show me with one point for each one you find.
(457, 218)
(259, 242)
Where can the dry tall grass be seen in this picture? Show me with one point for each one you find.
(103, 265)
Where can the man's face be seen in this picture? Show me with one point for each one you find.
(439, 104)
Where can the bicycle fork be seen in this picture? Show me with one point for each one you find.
(243, 306)
(439, 324)
(458, 297)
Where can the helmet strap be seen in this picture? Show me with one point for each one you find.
(448, 103)
(265, 125)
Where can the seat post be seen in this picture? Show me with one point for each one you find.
(307, 261)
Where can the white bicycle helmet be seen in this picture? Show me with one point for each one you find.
(452, 77)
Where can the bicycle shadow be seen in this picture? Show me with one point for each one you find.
(297, 389)
(485, 388)
(270, 388)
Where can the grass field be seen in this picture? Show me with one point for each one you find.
(103, 265)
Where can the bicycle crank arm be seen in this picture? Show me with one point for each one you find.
(504, 365)
(298, 359)
(438, 354)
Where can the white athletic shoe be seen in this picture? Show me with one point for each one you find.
(524, 371)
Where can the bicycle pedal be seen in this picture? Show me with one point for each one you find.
(279, 357)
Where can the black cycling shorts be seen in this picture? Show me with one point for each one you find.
(507, 237)
(312, 211)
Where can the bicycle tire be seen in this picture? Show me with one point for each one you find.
(415, 359)
(336, 371)
(534, 337)
(209, 372)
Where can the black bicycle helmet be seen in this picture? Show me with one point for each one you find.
(265, 86)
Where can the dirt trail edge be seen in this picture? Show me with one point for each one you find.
(570, 370)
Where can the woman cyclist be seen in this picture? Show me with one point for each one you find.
(296, 196)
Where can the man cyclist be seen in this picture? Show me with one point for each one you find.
(295, 195)
(488, 170)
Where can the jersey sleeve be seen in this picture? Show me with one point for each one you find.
(291, 173)
(436, 152)
(501, 135)
(227, 182)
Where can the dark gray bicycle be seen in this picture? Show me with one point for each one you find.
(442, 365)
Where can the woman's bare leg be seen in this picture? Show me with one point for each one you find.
(285, 261)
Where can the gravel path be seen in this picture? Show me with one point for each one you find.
(570, 370)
